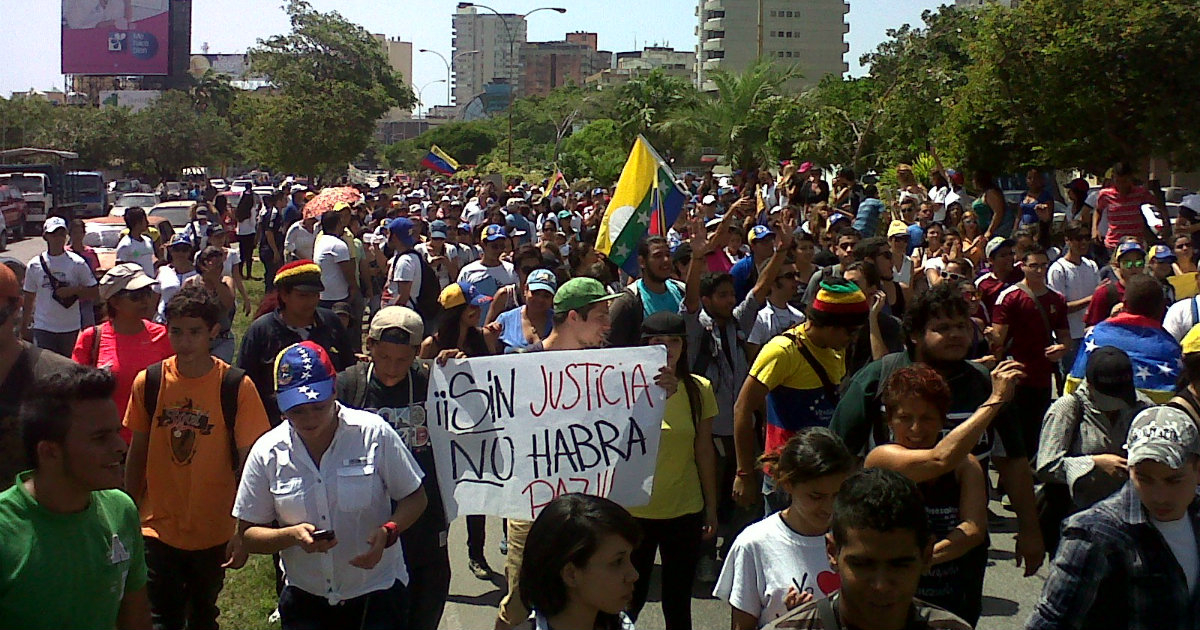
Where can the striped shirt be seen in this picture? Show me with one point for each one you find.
(1124, 213)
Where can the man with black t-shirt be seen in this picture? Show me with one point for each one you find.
(393, 386)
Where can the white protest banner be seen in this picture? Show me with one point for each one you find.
(511, 433)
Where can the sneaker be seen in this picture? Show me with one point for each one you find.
(273, 618)
(504, 546)
(706, 569)
(480, 569)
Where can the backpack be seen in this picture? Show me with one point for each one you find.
(230, 384)
(426, 301)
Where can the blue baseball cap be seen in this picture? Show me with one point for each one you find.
(759, 232)
(494, 232)
(1162, 253)
(303, 375)
(542, 280)
(1130, 246)
(437, 229)
(401, 228)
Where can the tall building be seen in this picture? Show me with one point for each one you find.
(807, 33)
(548, 65)
(400, 56)
(494, 37)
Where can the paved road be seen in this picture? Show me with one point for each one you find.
(1007, 603)
(25, 249)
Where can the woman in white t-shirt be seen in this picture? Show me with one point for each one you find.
(780, 562)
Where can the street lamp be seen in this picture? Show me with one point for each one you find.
(511, 57)
(419, 97)
(449, 100)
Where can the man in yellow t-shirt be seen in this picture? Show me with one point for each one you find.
(795, 377)
(181, 470)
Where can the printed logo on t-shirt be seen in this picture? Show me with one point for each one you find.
(409, 422)
(184, 421)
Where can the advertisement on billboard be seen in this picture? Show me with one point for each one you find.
(135, 100)
(119, 37)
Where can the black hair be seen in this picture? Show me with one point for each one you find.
(871, 191)
(329, 222)
(1074, 229)
(133, 216)
(194, 300)
(1144, 296)
(870, 248)
(1122, 169)
(847, 230)
(527, 251)
(879, 500)
(569, 530)
(800, 236)
(46, 411)
(868, 269)
(943, 300)
(847, 173)
(810, 454)
(1035, 250)
(711, 281)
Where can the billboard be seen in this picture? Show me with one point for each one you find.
(135, 100)
(117, 37)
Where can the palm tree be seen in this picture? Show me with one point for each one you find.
(737, 117)
(213, 90)
(648, 100)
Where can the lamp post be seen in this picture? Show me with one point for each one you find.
(419, 97)
(511, 58)
(464, 53)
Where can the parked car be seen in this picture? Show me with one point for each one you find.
(120, 187)
(12, 214)
(178, 213)
(240, 185)
(173, 191)
(133, 200)
(104, 233)
(218, 183)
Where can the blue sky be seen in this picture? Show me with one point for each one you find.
(30, 45)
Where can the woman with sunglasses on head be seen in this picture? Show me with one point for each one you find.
(211, 264)
(127, 342)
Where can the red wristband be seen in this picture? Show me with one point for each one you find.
(393, 533)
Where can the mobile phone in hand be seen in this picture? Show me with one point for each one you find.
(322, 534)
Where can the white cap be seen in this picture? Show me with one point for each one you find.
(445, 197)
(54, 224)
(708, 200)
(1191, 202)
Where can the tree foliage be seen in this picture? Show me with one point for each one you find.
(596, 151)
(170, 135)
(333, 83)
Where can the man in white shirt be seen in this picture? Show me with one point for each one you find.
(332, 255)
(299, 241)
(136, 246)
(328, 477)
(1076, 278)
(403, 282)
(777, 315)
(440, 255)
(55, 282)
(489, 273)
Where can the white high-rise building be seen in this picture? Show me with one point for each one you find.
(807, 33)
(497, 57)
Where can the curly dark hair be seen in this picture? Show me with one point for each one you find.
(194, 300)
(943, 300)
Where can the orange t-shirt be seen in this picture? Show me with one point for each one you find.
(190, 483)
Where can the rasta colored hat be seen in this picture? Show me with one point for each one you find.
(299, 274)
(842, 302)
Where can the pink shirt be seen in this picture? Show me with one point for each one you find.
(123, 355)
(1124, 213)
(718, 262)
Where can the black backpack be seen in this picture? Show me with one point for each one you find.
(230, 384)
(426, 300)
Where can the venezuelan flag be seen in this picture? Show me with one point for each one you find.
(1156, 356)
(439, 161)
(647, 200)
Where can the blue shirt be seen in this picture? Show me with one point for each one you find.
(513, 333)
(916, 237)
(867, 218)
(668, 300)
(743, 272)
(291, 214)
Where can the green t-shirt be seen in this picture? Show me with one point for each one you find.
(67, 570)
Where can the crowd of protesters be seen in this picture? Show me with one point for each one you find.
(845, 371)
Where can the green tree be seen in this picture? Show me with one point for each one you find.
(99, 135)
(597, 151)
(647, 101)
(332, 83)
(170, 134)
(23, 121)
(213, 92)
(466, 142)
(829, 123)
(737, 118)
(1100, 82)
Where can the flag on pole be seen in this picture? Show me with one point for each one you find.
(439, 161)
(556, 179)
(647, 200)
(1155, 354)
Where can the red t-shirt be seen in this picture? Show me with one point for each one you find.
(990, 287)
(1100, 307)
(124, 356)
(1125, 216)
(1027, 334)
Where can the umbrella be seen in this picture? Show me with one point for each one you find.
(329, 197)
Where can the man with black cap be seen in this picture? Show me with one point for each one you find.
(297, 318)
(1081, 456)
(1133, 559)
